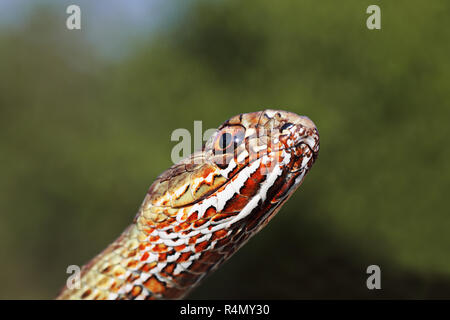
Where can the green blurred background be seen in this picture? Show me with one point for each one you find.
(86, 118)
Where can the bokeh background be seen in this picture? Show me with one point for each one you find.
(86, 118)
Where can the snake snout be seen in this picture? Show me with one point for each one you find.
(306, 122)
(309, 133)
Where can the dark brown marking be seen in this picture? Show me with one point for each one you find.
(86, 294)
(199, 267)
(107, 269)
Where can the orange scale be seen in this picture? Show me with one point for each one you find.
(165, 223)
(132, 253)
(180, 247)
(184, 256)
(118, 273)
(193, 239)
(145, 256)
(235, 204)
(153, 238)
(201, 246)
(211, 211)
(136, 291)
(162, 257)
(184, 225)
(249, 188)
(169, 268)
(185, 232)
(154, 285)
(222, 216)
(160, 247)
(219, 234)
(149, 266)
(148, 230)
(200, 222)
(142, 246)
(132, 264)
(192, 218)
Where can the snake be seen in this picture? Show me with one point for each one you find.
(201, 210)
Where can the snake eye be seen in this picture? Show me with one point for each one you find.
(228, 139)
(225, 140)
(286, 126)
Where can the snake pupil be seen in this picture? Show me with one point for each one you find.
(225, 140)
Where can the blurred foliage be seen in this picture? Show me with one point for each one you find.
(82, 139)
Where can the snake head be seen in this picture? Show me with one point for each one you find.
(252, 158)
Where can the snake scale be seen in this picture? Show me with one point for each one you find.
(204, 208)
